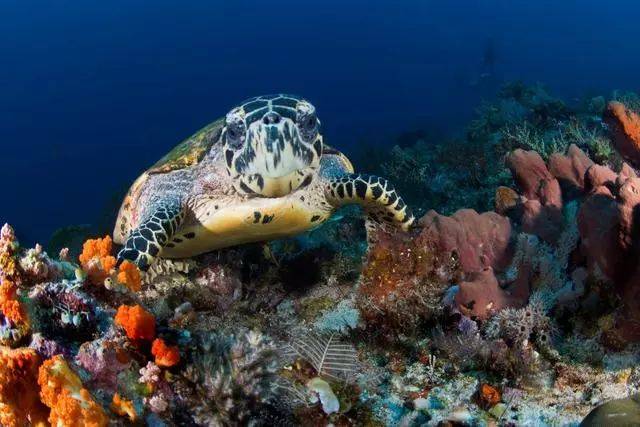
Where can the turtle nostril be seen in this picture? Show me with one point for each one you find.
(271, 118)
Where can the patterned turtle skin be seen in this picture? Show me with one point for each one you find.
(263, 172)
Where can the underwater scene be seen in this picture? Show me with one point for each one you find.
(337, 213)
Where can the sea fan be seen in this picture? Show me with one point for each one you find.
(330, 357)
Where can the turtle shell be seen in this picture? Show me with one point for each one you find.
(190, 151)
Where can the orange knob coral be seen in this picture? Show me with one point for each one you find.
(129, 275)
(165, 355)
(9, 304)
(96, 259)
(138, 323)
(488, 396)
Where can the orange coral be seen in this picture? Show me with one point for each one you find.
(129, 275)
(165, 355)
(123, 407)
(71, 404)
(137, 322)
(96, 259)
(488, 396)
(19, 401)
(9, 304)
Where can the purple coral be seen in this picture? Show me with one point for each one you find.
(100, 359)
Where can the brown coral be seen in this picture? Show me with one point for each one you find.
(138, 323)
(402, 282)
(624, 126)
(542, 209)
(19, 400)
(96, 259)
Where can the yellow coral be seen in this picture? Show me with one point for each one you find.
(123, 407)
(71, 404)
(96, 259)
(129, 275)
(19, 401)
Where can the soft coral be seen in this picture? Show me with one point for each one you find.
(19, 401)
(71, 404)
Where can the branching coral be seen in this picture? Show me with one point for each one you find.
(138, 323)
(231, 382)
(19, 401)
(71, 404)
(519, 327)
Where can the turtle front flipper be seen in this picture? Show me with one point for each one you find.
(145, 242)
(376, 195)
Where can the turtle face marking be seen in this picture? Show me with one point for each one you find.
(272, 145)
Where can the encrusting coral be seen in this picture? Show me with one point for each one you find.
(62, 391)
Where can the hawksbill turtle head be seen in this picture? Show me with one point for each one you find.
(272, 145)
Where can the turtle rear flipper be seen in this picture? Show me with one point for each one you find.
(376, 195)
(145, 242)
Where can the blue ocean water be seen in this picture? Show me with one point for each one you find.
(92, 93)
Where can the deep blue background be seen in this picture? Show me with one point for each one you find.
(93, 92)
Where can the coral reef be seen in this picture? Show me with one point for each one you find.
(514, 301)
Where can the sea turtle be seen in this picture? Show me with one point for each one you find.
(263, 172)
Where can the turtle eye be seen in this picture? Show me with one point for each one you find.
(310, 122)
(308, 125)
(235, 133)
